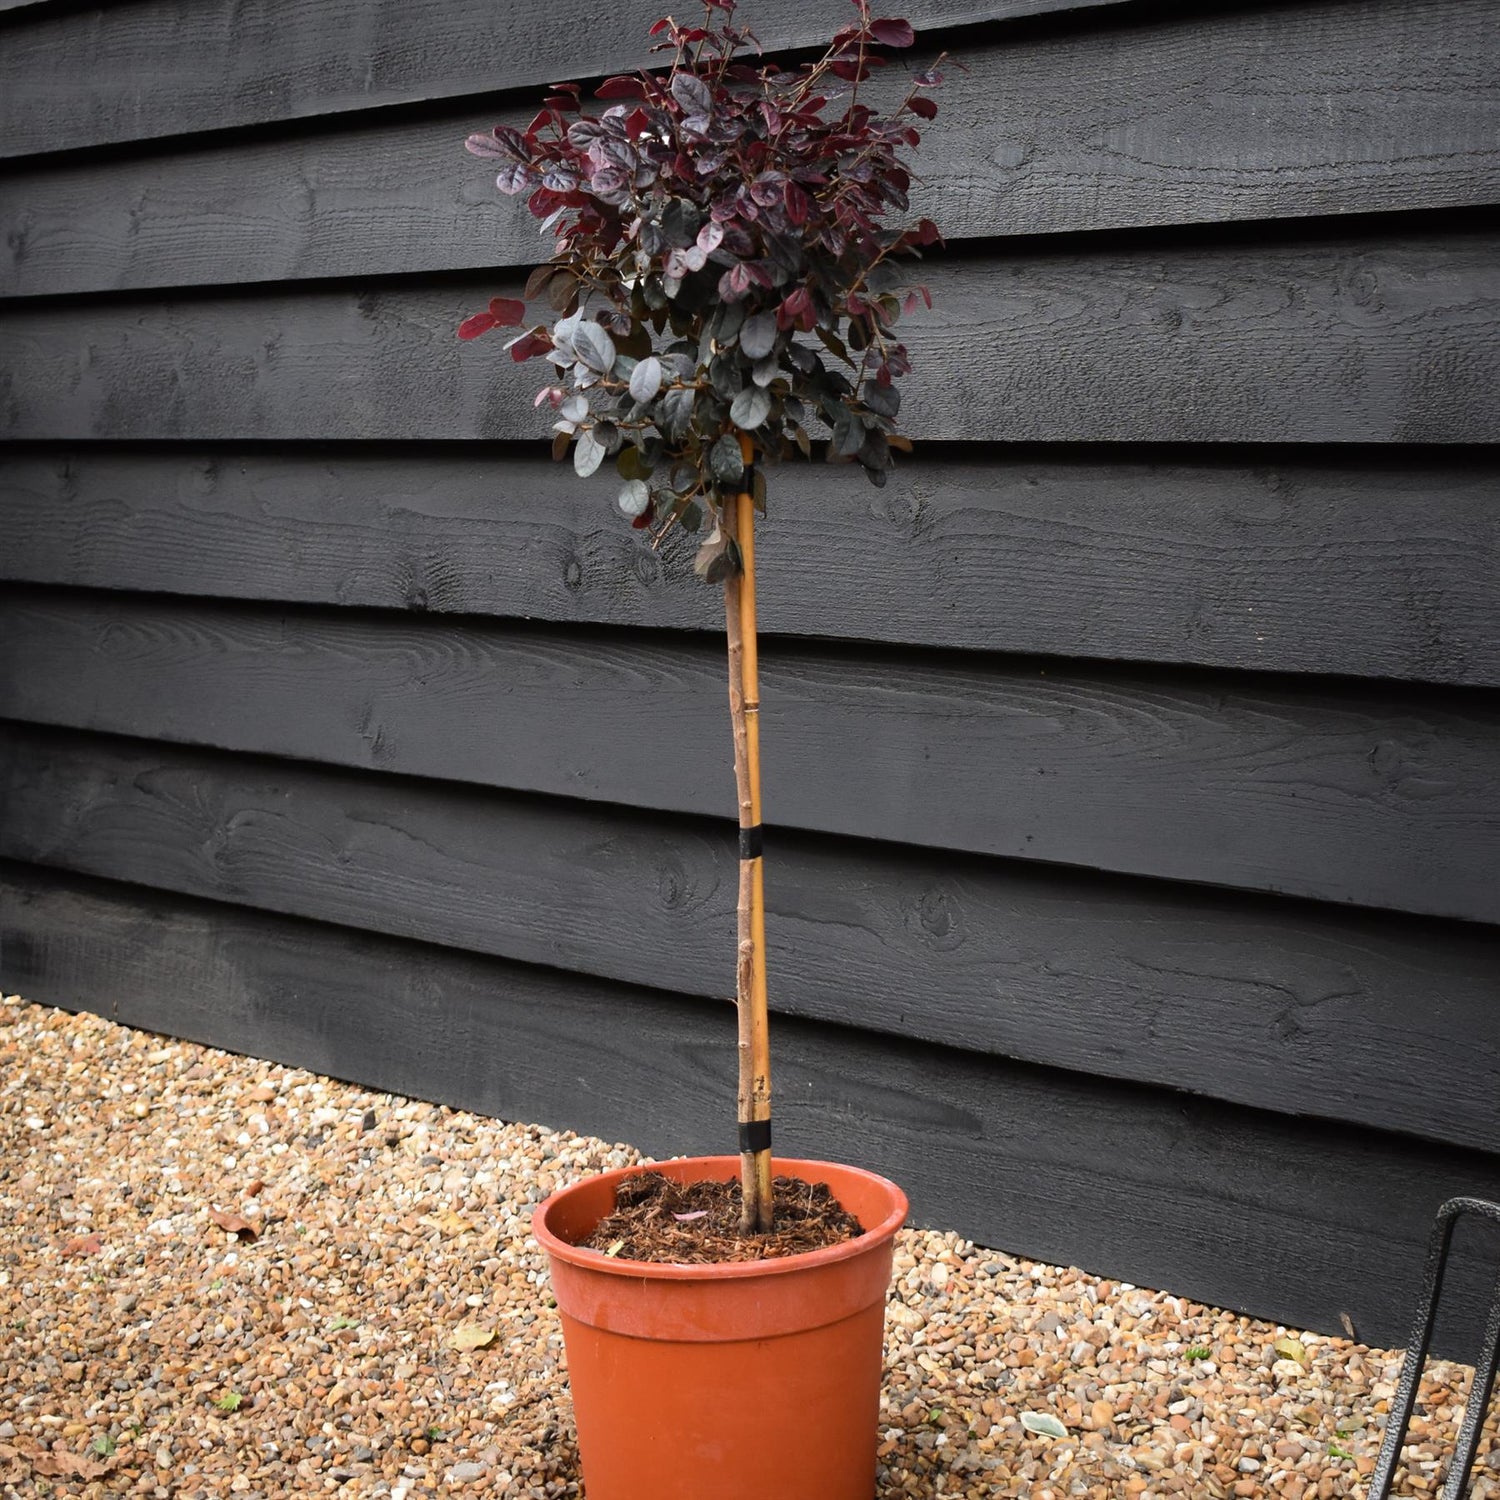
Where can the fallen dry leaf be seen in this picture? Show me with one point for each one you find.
(1290, 1349)
(451, 1223)
(83, 1244)
(59, 1464)
(234, 1224)
(471, 1336)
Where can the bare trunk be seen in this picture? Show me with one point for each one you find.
(750, 970)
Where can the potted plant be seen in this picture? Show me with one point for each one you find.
(726, 286)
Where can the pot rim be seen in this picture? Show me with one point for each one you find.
(781, 1265)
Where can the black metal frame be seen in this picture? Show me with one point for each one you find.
(1416, 1358)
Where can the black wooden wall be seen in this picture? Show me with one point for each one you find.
(1133, 761)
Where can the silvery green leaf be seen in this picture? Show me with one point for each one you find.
(750, 408)
(726, 375)
(588, 454)
(574, 409)
(728, 319)
(885, 399)
(645, 379)
(764, 370)
(848, 433)
(1044, 1424)
(758, 336)
(724, 460)
(594, 346)
(563, 352)
(634, 497)
(676, 412)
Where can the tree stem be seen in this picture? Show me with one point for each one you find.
(750, 971)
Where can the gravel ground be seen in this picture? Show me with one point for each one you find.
(388, 1328)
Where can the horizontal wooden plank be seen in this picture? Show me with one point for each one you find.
(1375, 797)
(1325, 108)
(1283, 1006)
(1376, 339)
(1301, 1223)
(1335, 565)
(167, 67)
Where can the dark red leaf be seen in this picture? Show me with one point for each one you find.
(920, 104)
(657, 27)
(536, 283)
(544, 200)
(734, 283)
(471, 328)
(893, 33)
(529, 344)
(797, 311)
(623, 86)
(507, 312)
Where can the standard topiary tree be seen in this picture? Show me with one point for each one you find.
(728, 289)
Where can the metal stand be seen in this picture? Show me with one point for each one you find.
(1416, 1357)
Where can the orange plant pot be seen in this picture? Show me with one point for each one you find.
(752, 1381)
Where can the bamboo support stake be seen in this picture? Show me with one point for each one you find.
(750, 970)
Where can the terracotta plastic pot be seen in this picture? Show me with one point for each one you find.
(755, 1381)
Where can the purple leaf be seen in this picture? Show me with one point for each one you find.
(514, 179)
(692, 93)
(893, 33)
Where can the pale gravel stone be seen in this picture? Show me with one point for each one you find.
(386, 1221)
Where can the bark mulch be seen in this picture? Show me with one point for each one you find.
(698, 1223)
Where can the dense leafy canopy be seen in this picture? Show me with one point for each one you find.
(722, 264)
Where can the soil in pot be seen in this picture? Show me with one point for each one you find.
(698, 1223)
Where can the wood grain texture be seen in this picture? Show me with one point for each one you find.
(1322, 109)
(1375, 797)
(1376, 339)
(1334, 565)
(1279, 1005)
(1229, 1206)
(168, 67)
